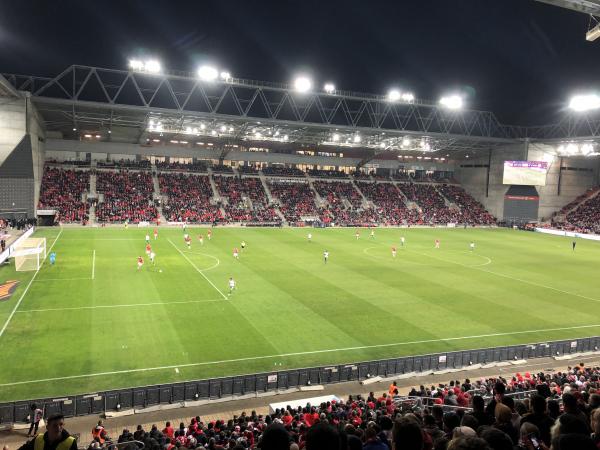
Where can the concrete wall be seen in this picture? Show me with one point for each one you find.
(18, 117)
(573, 183)
(12, 124)
(474, 179)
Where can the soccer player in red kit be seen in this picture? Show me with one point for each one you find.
(148, 249)
(236, 253)
(140, 262)
(209, 234)
(201, 239)
(437, 243)
(393, 252)
(188, 241)
(155, 233)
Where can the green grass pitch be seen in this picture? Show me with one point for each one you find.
(92, 323)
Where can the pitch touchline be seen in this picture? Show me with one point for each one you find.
(512, 278)
(93, 264)
(197, 270)
(12, 313)
(283, 355)
(129, 305)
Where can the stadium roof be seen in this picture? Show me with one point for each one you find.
(136, 106)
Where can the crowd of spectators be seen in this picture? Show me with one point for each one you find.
(432, 204)
(127, 197)
(248, 170)
(471, 211)
(125, 164)
(360, 175)
(62, 190)
(246, 200)
(557, 411)
(327, 173)
(343, 204)
(198, 166)
(388, 203)
(220, 168)
(188, 198)
(296, 200)
(585, 218)
(282, 171)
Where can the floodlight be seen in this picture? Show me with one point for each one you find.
(226, 76)
(276, 133)
(585, 102)
(382, 144)
(407, 97)
(213, 132)
(195, 131)
(223, 128)
(571, 149)
(257, 134)
(593, 34)
(406, 142)
(356, 138)
(152, 66)
(393, 95)
(302, 84)
(74, 129)
(335, 137)
(452, 101)
(586, 149)
(231, 129)
(188, 130)
(329, 88)
(109, 132)
(136, 64)
(202, 126)
(285, 137)
(208, 73)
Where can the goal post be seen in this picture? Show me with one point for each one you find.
(29, 254)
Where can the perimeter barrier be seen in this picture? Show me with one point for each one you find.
(192, 393)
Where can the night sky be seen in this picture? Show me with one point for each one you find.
(518, 58)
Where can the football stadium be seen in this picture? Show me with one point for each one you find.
(291, 264)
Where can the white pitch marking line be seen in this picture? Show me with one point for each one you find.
(197, 270)
(129, 305)
(93, 264)
(12, 313)
(513, 278)
(283, 355)
(210, 256)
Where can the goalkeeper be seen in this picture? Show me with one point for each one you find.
(52, 258)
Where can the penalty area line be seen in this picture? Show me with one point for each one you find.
(283, 355)
(197, 270)
(12, 313)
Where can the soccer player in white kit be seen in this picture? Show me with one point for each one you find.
(472, 246)
(325, 256)
(231, 285)
(357, 235)
(147, 238)
(152, 256)
(309, 237)
(372, 234)
(402, 241)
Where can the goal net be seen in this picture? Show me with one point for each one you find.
(29, 254)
